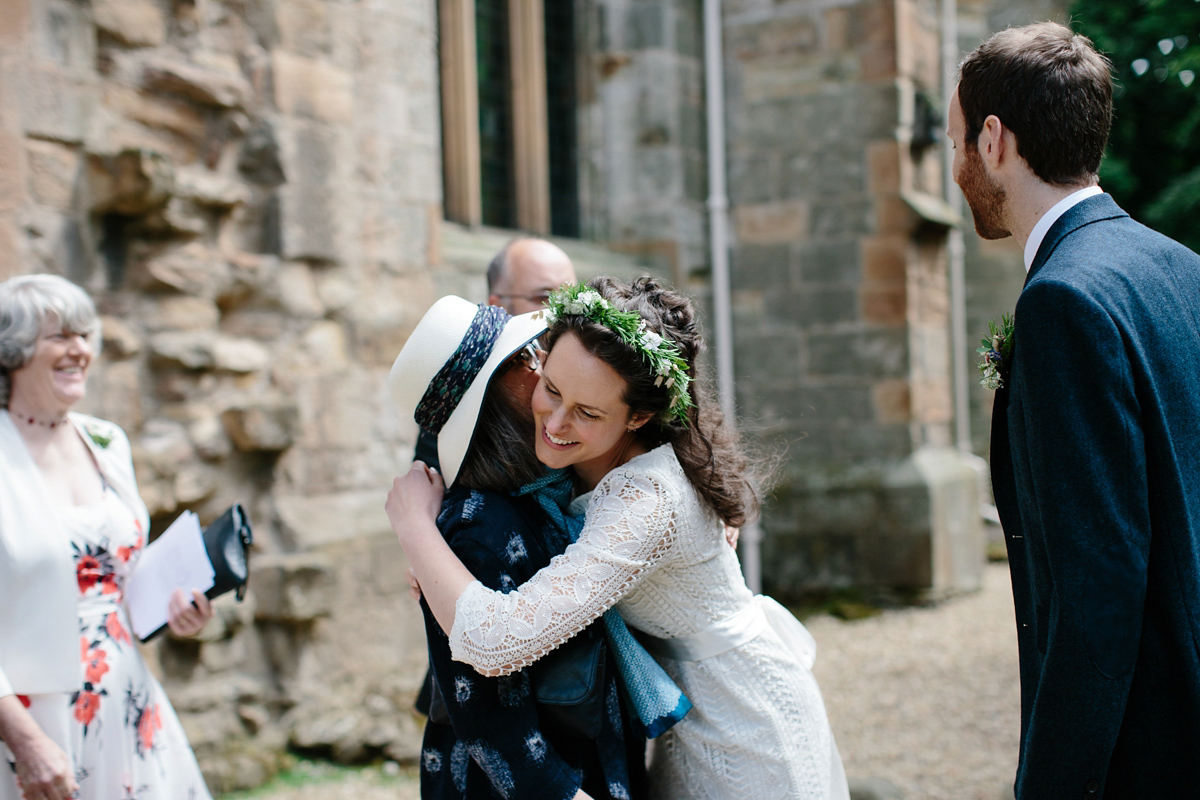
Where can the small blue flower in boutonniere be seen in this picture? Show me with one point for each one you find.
(996, 353)
(102, 437)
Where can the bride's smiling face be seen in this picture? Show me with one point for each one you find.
(582, 419)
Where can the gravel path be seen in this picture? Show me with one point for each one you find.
(926, 698)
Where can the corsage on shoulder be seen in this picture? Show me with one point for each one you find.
(996, 353)
(98, 433)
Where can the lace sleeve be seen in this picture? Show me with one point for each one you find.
(629, 528)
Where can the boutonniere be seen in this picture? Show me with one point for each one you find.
(996, 353)
(97, 434)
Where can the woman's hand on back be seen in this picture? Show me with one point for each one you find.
(413, 503)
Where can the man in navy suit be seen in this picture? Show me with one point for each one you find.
(1095, 431)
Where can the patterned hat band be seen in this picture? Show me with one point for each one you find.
(456, 375)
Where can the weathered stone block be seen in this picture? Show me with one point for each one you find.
(769, 223)
(210, 189)
(829, 262)
(120, 340)
(157, 112)
(264, 426)
(193, 269)
(208, 436)
(842, 219)
(197, 84)
(13, 21)
(884, 305)
(303, 27)
(137, 23)
(313, 88)
(293, 589)
(769, 356)
(131, 182)
(56, 106)
(12, 185)
(195, 482)
(53, 170)
(864, 355)
(179, 312)
(891, 401)
(235, 354)
(62, 33)
(310, 217)
(885, 258)
(813, 305)
(316, 520)
(191, 349)
(762, 265)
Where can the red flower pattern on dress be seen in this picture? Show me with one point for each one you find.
(116, 631)
(108, 584)
(87, 571)
(125, 553)
(148, 725)
(95, 663)
(86, 706)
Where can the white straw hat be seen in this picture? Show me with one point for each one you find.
(443, 371)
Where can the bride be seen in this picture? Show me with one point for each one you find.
(616, 402)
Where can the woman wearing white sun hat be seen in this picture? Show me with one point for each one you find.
(465, 375)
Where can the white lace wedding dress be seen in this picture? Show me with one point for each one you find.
(758, 727)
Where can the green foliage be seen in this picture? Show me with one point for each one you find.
(1152, 166)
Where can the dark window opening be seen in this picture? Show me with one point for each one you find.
(561, 121)
(495, 113)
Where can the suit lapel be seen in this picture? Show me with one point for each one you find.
(1093, 209)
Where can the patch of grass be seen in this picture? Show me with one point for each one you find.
(996, 551)
(302, 772)
(847, 604)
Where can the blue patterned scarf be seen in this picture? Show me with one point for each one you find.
(659, 703)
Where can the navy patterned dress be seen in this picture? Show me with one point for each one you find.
(500, 743)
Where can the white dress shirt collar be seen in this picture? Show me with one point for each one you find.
(1050, 217)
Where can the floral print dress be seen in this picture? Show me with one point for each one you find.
(124, 737)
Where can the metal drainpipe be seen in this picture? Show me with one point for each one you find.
(718, 220)
(956, 248)
(956, 254)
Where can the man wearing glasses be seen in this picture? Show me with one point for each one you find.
(524, 272)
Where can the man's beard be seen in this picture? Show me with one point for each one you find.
(984, 196)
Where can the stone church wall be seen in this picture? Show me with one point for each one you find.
(251, 191)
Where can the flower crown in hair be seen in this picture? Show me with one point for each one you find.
(660, 353)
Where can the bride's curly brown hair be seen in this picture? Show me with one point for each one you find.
(708, 450)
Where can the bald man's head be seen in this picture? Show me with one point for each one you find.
(524, 272)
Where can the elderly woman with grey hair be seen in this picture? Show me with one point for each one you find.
(80, 714)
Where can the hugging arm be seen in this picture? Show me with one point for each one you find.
(412, 508)
(630, 527)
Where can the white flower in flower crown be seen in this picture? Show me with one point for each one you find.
(590, 299)
(651, 340)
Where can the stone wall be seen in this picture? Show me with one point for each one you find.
(251, 191)
(642, 139)
(841, 302)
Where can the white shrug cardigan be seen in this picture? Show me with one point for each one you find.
(39, 595)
